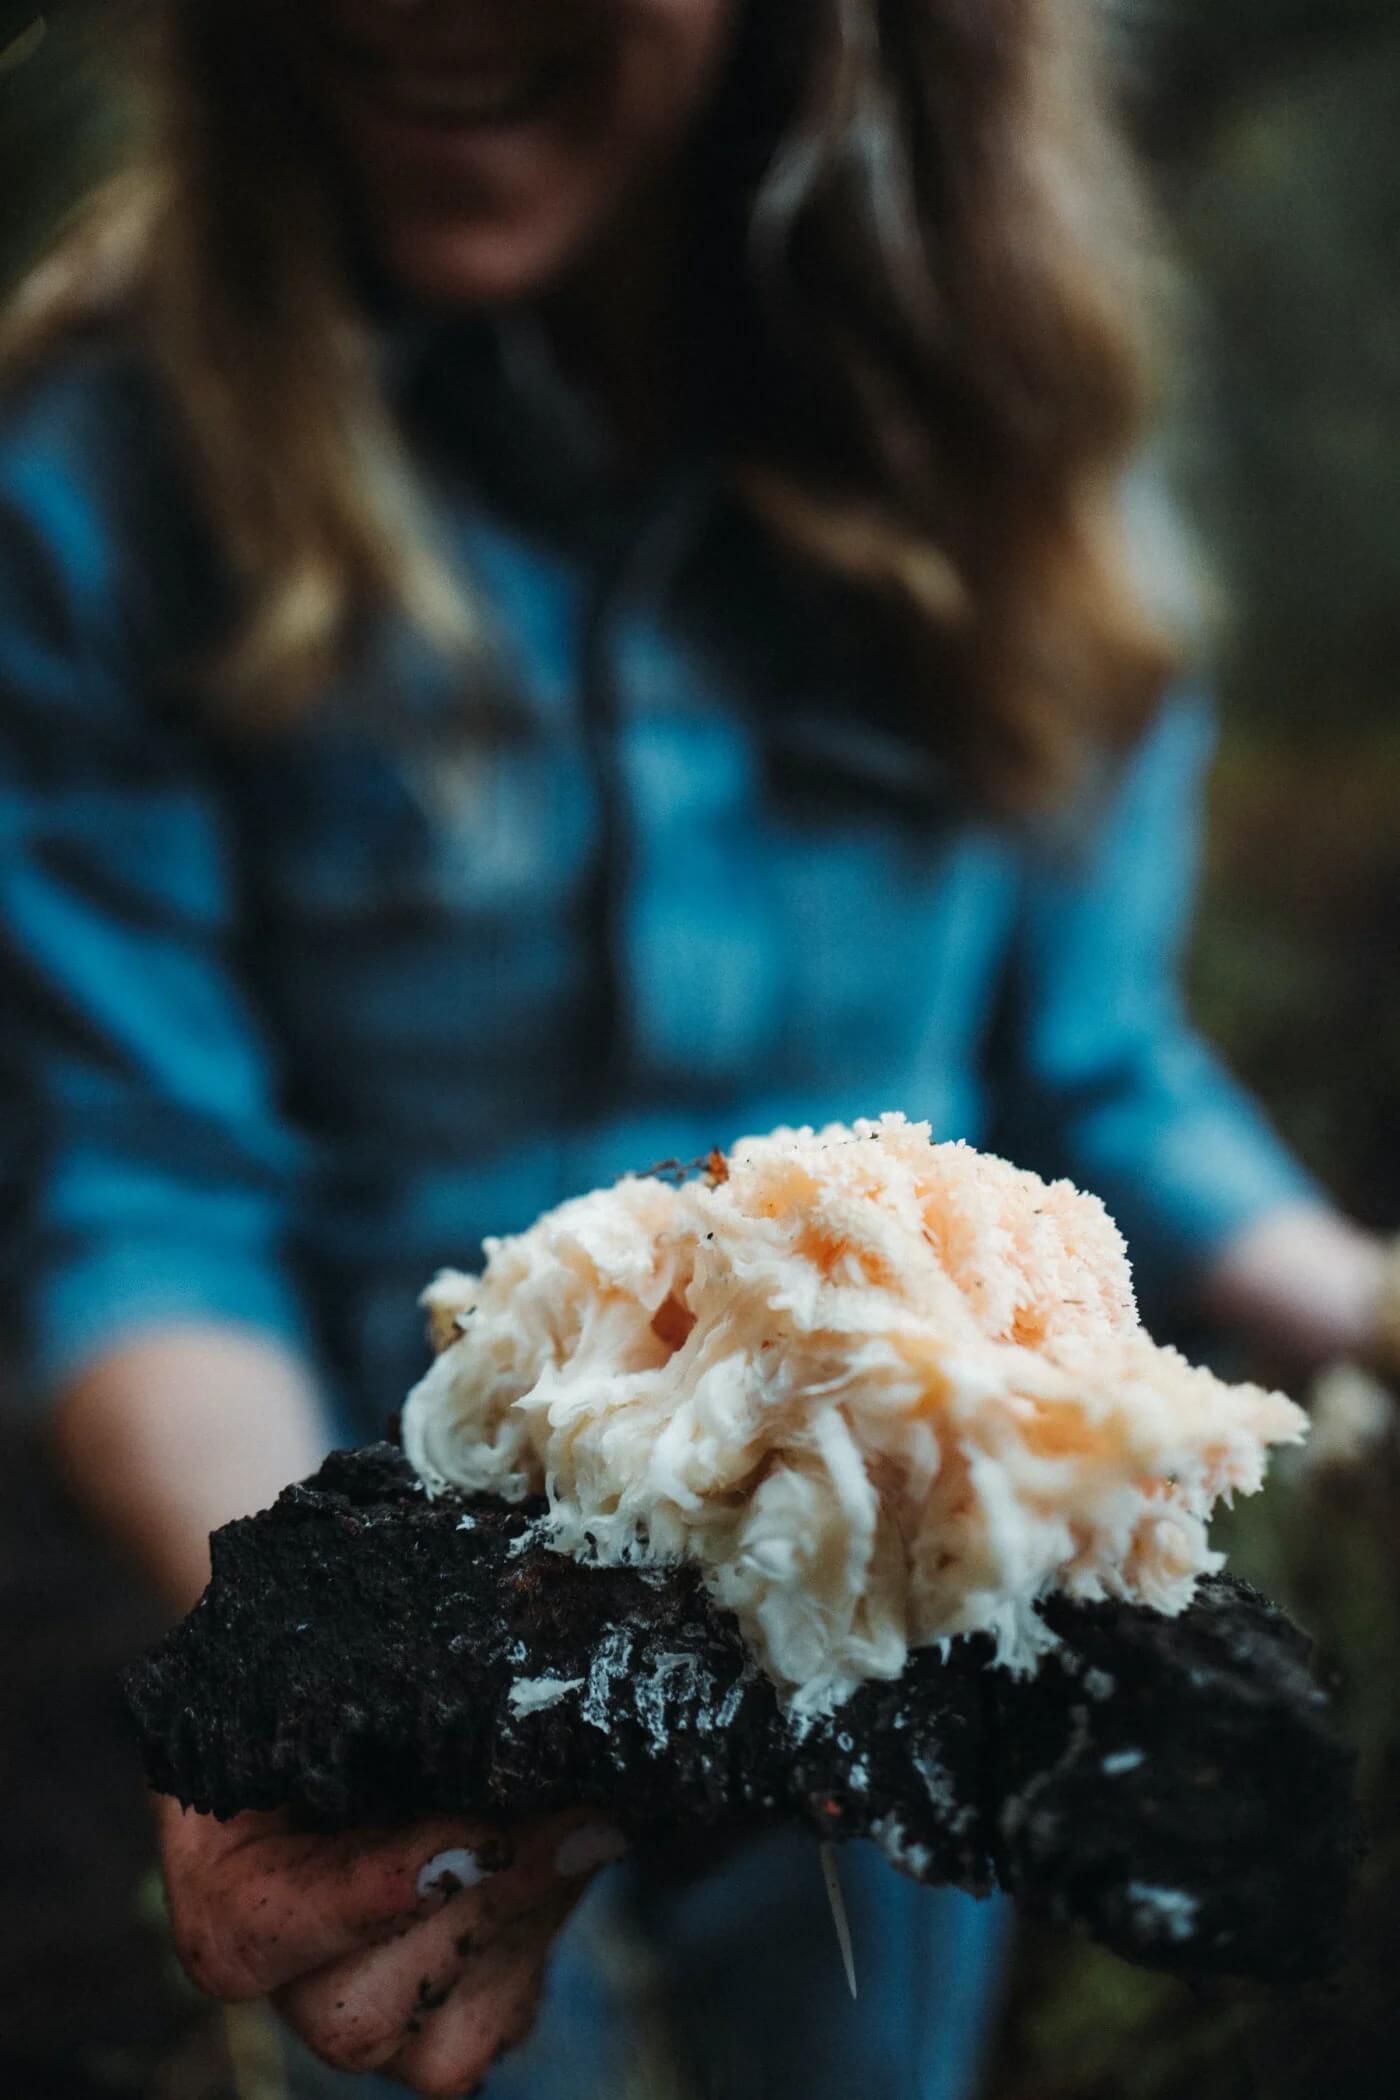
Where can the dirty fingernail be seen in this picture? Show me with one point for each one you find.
(595, 1845)
(447, 1872)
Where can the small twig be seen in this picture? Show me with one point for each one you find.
(711, 1165)
(257, 2064)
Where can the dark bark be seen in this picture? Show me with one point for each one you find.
(1175, 1786)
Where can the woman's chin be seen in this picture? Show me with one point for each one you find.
(449, 265)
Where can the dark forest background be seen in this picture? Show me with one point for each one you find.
(1271, 130)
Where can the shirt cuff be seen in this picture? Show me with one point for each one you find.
(1206, 1180)
(108, 1296)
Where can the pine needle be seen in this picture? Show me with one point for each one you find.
(832, 1878)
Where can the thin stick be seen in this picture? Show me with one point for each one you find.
(832, 1878)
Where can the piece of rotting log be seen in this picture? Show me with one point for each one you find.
(366, 1656)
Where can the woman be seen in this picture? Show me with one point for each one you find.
(562, 598)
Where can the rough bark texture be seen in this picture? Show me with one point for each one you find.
(365, 1656)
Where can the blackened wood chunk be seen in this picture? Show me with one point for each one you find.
(366, 1656)
(1178, 1786)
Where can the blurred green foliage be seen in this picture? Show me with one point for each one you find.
(1271, 128)
(1288, 220)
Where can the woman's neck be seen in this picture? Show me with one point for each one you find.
(616, 326)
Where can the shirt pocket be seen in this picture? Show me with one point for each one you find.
(340, 836)
(414, 937)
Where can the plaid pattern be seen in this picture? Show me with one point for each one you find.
(291, 1023)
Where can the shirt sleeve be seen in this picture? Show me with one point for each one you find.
(1103, 1077)
(150, 1176)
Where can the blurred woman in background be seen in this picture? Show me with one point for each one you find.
(563, 597)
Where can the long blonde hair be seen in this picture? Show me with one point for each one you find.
(933, 254)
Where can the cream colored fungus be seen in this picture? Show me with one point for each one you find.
(881, 1391)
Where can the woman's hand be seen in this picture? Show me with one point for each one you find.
(1307, 1288)
(420, 1953)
